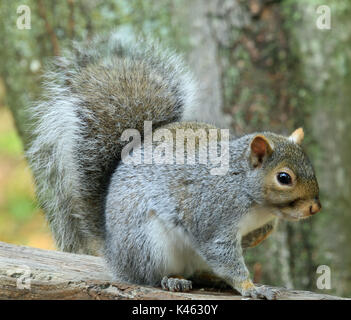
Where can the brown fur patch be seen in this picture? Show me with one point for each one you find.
(246, 284)
(260, 239)
(151, 213)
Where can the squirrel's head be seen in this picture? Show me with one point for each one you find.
(289, 184)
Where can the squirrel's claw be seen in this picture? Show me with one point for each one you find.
(261, 292)
(176, 284)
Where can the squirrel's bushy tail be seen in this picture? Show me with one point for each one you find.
(92, 94)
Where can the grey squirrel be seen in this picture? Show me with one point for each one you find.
(155, 224)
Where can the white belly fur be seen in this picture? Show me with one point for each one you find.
(173, 250)
(256, 218)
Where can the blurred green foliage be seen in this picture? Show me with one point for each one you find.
(20, 219)
(10, 144)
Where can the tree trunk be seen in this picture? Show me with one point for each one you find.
(203, 59)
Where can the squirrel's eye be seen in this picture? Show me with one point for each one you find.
(284, 178)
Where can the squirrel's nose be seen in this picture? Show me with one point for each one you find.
(315, 207)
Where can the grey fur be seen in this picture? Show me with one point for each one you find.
(203, 209)
(92, 94)
(133, 193)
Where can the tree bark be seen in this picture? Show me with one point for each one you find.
(203, 59)
(29, 273)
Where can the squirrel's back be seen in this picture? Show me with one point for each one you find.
(92, 94)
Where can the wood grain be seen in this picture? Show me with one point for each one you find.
(30, 273)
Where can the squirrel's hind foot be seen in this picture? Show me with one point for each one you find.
(262, 292)
(176, 284)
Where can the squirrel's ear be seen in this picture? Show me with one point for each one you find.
(297, 136)
(260, 148)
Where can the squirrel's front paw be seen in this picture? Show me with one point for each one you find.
(176, 284)
(248, 289)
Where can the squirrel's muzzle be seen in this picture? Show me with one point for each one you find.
(315, 206)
